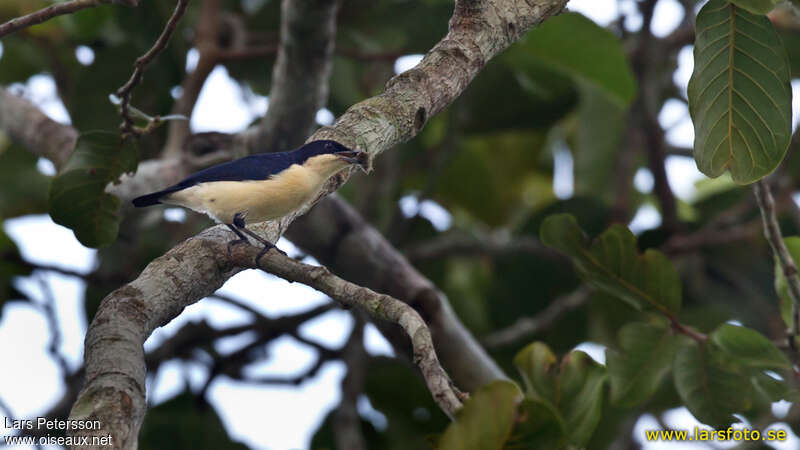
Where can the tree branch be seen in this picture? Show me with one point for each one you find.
(48, 309)
(300, 75)
(28, 126)
(783, 258)
(378, 306)
(346, 422)
(124, 92)
(114, 389)
(527, 326)
(58, 9)
(452, 244)
(707, 237)
(335, 234)
(206, 45)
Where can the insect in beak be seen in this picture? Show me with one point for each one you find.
(355, 157)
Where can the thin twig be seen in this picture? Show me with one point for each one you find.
(707, 237)
(379, 306)
(58, 9)
(48, 307)
(455, 244)
(527, 326)
(772, 232)
(124, 93)
(207, 43)
(239, 304)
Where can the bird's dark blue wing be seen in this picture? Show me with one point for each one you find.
(255, 167)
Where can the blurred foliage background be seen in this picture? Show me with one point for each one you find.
(563, 122)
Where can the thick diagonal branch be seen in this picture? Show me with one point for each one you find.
(114, 389)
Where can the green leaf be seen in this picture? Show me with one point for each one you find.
(756, 6)
(487, 419)
(613, 264)
(644, 358)
(536, 363)
(709, 386)
(749, 348)
(581, 395)
(773, 389)
(77, 195)
(591, 55)
(739, 94)
(539, 426)
(574, 388)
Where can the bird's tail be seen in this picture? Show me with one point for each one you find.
(149, 199)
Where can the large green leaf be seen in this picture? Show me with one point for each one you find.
(591, 54)
(749, 348)
(487, 419)
(77, 195)
(581, 395)
(613, 263)
(710, 386)
(574, 388)
(756, 6)
(645, 355)
(536, 363)
(539, 426)
(774, 389)
(739, 94)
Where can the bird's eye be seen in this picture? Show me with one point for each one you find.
(328, 146)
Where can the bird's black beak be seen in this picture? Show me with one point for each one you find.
(355, 157)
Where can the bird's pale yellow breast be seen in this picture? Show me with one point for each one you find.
(260, 200)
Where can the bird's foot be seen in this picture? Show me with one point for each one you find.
(267, 247)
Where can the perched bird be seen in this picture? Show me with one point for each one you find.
(259, 187)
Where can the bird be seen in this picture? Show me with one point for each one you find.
(259, 187)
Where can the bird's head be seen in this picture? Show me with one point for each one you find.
(355, 157)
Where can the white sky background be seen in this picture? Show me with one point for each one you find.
(277, 418)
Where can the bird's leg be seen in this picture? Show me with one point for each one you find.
(242, 238)
(238, 220)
